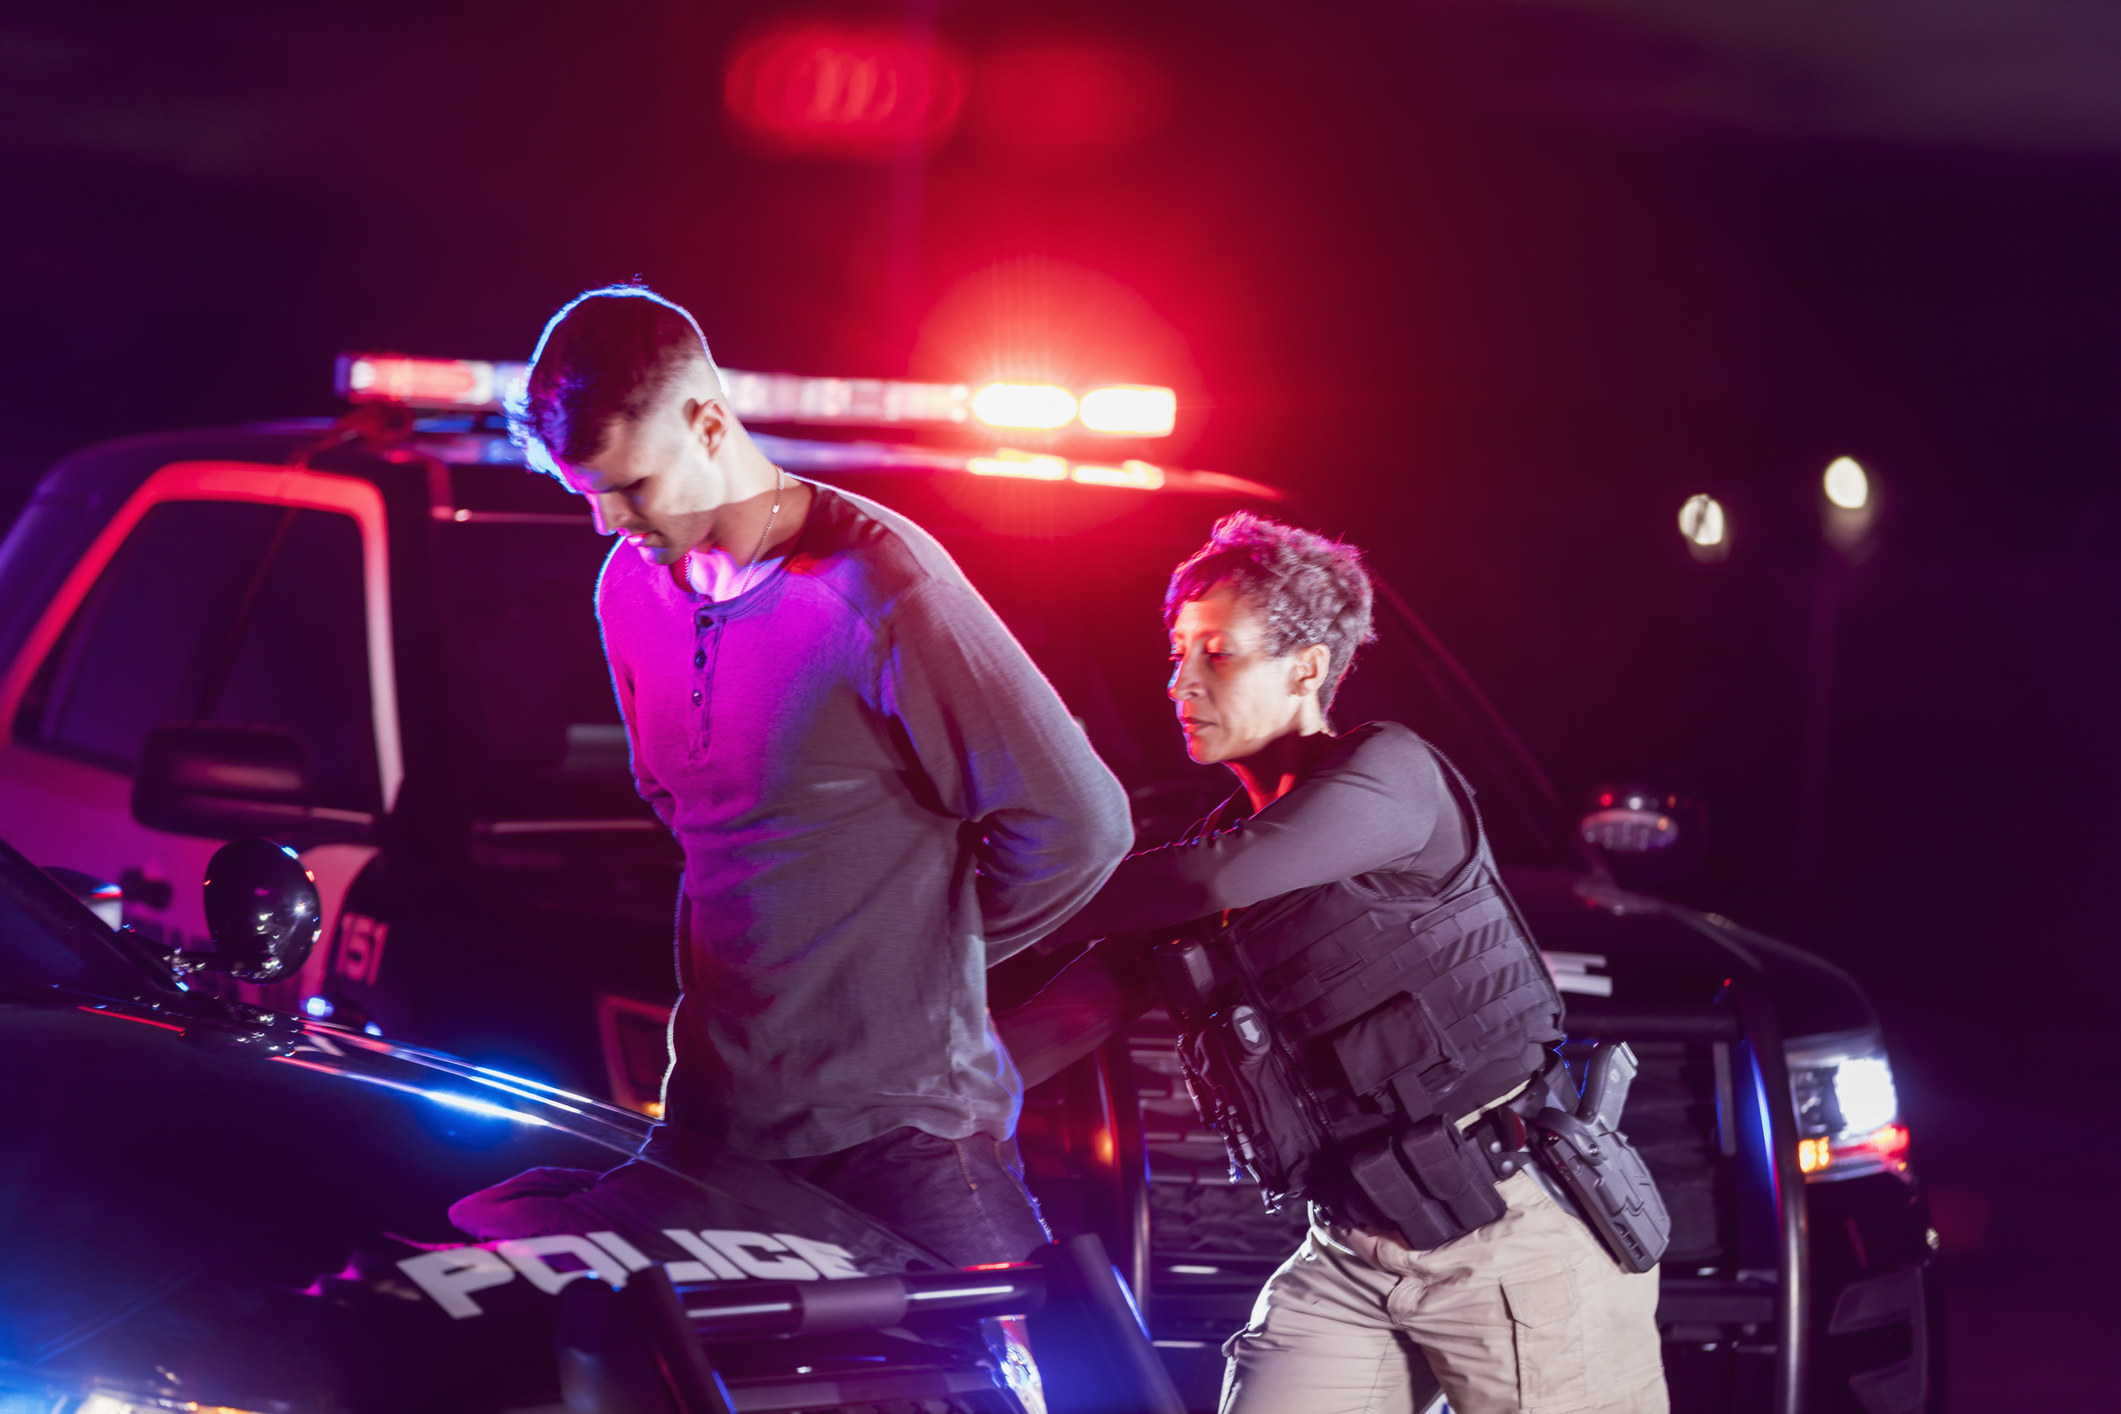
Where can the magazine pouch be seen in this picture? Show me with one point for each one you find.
(1429, 1182)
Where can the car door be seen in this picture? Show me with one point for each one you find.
(223, 592)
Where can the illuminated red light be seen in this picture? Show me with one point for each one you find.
(1886, 1147)
(125, 1016)
(1034, 405)
(1131, 410)
(426, 382)
(1134, 475)
(1008, 462)
(844, 91)
(1890, 1144)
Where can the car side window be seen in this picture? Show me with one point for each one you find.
(142, 645)
(229, 611)
(300, 659)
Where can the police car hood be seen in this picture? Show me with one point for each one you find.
(243, 1219)
(1615, 952)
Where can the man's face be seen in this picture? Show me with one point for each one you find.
(1232, 698)
(655, 480)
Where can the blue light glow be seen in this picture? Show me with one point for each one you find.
(318, 1008)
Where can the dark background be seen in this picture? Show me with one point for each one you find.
(1493, 287)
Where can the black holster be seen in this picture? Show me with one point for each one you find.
(1591, 1160)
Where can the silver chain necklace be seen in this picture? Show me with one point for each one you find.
(780, 478)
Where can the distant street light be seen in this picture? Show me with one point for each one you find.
(1850, 507)
(1846, 484)
(1701, 521)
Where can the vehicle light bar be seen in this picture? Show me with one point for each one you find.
(1034, 405)
(472, 385)
(789, 397)
(1131, 411)
(428, 382)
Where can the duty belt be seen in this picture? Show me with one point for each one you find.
(1427, 1180)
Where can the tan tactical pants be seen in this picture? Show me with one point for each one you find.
(1526, 1314)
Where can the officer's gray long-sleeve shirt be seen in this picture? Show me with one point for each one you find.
(878, 795)
(1376, 801)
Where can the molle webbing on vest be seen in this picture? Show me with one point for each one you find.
(1378, 1007)
(1450, 949)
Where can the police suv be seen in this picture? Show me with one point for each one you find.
(373, 640)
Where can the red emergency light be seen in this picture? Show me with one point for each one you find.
(464, 383)
(805, 88)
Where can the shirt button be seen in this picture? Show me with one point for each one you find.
(697, 697)
(699, 659)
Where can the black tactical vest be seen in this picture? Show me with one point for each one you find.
(1326, 1026)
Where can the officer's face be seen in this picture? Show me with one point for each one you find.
(656, 480)
(1232, 698)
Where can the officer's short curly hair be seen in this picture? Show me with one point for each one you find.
(1308, 589)
(605, 356)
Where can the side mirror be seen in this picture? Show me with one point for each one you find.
(262, 910)
(220, 781)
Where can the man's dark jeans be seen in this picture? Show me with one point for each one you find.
(963, 1199)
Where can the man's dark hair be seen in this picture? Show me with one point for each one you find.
(607, 355)
(1307, 588)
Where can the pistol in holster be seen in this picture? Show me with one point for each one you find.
(1593, 1164)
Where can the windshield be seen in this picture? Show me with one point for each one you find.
(1078, 575)
(47, 939)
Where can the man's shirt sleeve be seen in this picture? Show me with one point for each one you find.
(1002, 753)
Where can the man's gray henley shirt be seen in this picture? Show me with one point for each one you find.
(878, 796)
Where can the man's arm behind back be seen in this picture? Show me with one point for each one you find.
(1003, 754)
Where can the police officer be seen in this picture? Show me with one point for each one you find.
(1364, 1017)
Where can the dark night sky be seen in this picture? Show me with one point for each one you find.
(1493, 287)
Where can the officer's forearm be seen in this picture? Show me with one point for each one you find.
(1089, 1002)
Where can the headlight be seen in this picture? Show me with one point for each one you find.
(1848, 1113)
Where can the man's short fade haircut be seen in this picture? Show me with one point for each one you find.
(1307, 588)
(607, 355)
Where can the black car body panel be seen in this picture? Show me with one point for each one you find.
(195, 1209)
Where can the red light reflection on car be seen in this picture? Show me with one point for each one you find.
(839, 91)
